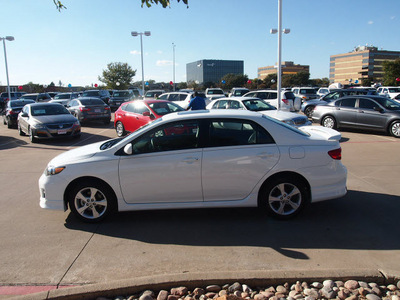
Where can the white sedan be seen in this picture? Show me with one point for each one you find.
(259, 105)
(198, 159)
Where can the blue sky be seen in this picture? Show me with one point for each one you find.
(74, 46)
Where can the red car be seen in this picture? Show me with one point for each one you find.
(132, 115)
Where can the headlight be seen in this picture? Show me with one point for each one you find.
(38, 126)
(77, 123)
(53, 170)
(289, 122)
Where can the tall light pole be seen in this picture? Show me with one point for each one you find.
(146, 33)
(8, 38)
(173, 63)
(279, 31)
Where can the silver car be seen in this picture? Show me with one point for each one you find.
(46, 121)
(360, 112)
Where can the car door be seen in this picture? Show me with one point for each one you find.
(345, 112)
(238, 154)
(170, 157)
(368, 116)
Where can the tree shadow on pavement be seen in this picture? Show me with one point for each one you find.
(360, 220)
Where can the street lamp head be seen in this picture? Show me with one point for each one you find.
(147, 33)
(134, 33)
(273, 31)
(286, 30)
(9, 38)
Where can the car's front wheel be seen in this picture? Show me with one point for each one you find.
(284, 197)
(394, 129)
(20, 131)
(329, 122)
(32, 136)
(120, 129)
(91, 201)
(309, 111)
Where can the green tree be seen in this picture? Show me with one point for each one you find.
(391, 71)
(233, 80)
(164, 3)
(117, 76)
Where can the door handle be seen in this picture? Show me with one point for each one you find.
(265, 155)
(190, 160)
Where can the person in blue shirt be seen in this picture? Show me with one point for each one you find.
(197, 103)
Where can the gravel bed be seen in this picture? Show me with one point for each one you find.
(328, 289)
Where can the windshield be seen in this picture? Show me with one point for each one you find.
(48, 110)
(388, 103)
(257, 105)
(163, 108)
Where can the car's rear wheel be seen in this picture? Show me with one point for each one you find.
(394, 129)
(329, 122)
(284, 197)
(91, 201)
(309, 111)
(120, 129)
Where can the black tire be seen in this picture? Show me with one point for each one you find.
(329, 122)
(309, 111)
(91, 201)
(9, 124)
(120, 129)
(284, 197)
(31, 136)
(394, 129)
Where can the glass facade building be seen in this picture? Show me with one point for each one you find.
(212, 70)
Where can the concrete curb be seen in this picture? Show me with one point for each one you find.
(193, 280)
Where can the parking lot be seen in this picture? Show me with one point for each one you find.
(358, 231)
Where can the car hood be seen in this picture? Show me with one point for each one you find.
(281, 115)
(78, 154)
(321, 132)
(55, 118)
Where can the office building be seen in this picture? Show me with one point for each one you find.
(212, 70)
(288, 67)
(364, 62)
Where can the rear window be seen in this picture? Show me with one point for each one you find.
(289, 95)
(215, 92)
(92, 102)
(307, 91)
(19, 103)
(91, 93)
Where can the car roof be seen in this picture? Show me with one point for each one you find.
(363, 96)
(213, 113)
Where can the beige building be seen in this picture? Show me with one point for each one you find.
(288, 67)
(362, 62)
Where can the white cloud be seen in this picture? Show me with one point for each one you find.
(163, 63)
(392, 17)
(159, 52)
(370, 22)
(135, 52)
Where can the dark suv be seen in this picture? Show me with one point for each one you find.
(102, 94)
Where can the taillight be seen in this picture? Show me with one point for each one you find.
(336, 154)
(286, 101)
(107, 108)
(84, 109)
(11, 112)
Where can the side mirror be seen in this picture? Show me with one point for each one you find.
(24, 115)
(146, 114)
(128, 149)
